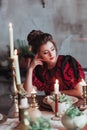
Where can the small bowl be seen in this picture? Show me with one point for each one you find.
(62, 106)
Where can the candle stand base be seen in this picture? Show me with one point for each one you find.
(23, 113)
(21, 126)
(57, 117)
(15, 107)
(14, 111)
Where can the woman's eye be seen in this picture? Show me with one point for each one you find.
(46, 52)
(52, 49)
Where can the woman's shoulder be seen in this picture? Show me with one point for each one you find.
(66, 57)
(61, 56)
(63, 59)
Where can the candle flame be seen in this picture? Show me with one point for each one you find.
(15, 51)
(57, 81)
(83, 82)
(33, 91)
(10, 25)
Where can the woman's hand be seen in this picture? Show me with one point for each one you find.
(36, 61)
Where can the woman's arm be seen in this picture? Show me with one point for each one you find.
(28, 81)
(28, 84)
(77, 91)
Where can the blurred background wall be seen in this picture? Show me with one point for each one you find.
(66, 20)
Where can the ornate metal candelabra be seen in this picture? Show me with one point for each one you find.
(34, 103)
(84, 106)
(85, 96)
(14, 90)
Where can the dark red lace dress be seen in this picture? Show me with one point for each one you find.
(44, 78)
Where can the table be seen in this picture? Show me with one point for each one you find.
(11, 123)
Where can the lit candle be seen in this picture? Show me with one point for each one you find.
(24, 103)
(56, 87)
(56, 91)
(33, 91)
(83, 82)
(17, 70)
(11, 40)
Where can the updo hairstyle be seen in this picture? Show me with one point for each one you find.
(37, 38)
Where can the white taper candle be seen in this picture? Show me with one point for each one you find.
(11, 40)
(56, 87)
(17, 70)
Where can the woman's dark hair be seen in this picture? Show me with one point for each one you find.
(37, 38)
(32, 35)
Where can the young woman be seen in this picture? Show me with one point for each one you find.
(47, 66)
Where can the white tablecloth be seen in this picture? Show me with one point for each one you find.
(57, 125)
(11, 123)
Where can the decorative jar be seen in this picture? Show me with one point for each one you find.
(73, 119)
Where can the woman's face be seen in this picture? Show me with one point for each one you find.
(48, 53)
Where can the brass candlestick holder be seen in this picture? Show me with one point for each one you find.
(14, 109)
(22, 95)
(34, 103)
(57, 116)
(24, 122)
(34, 112)
(84, 106)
